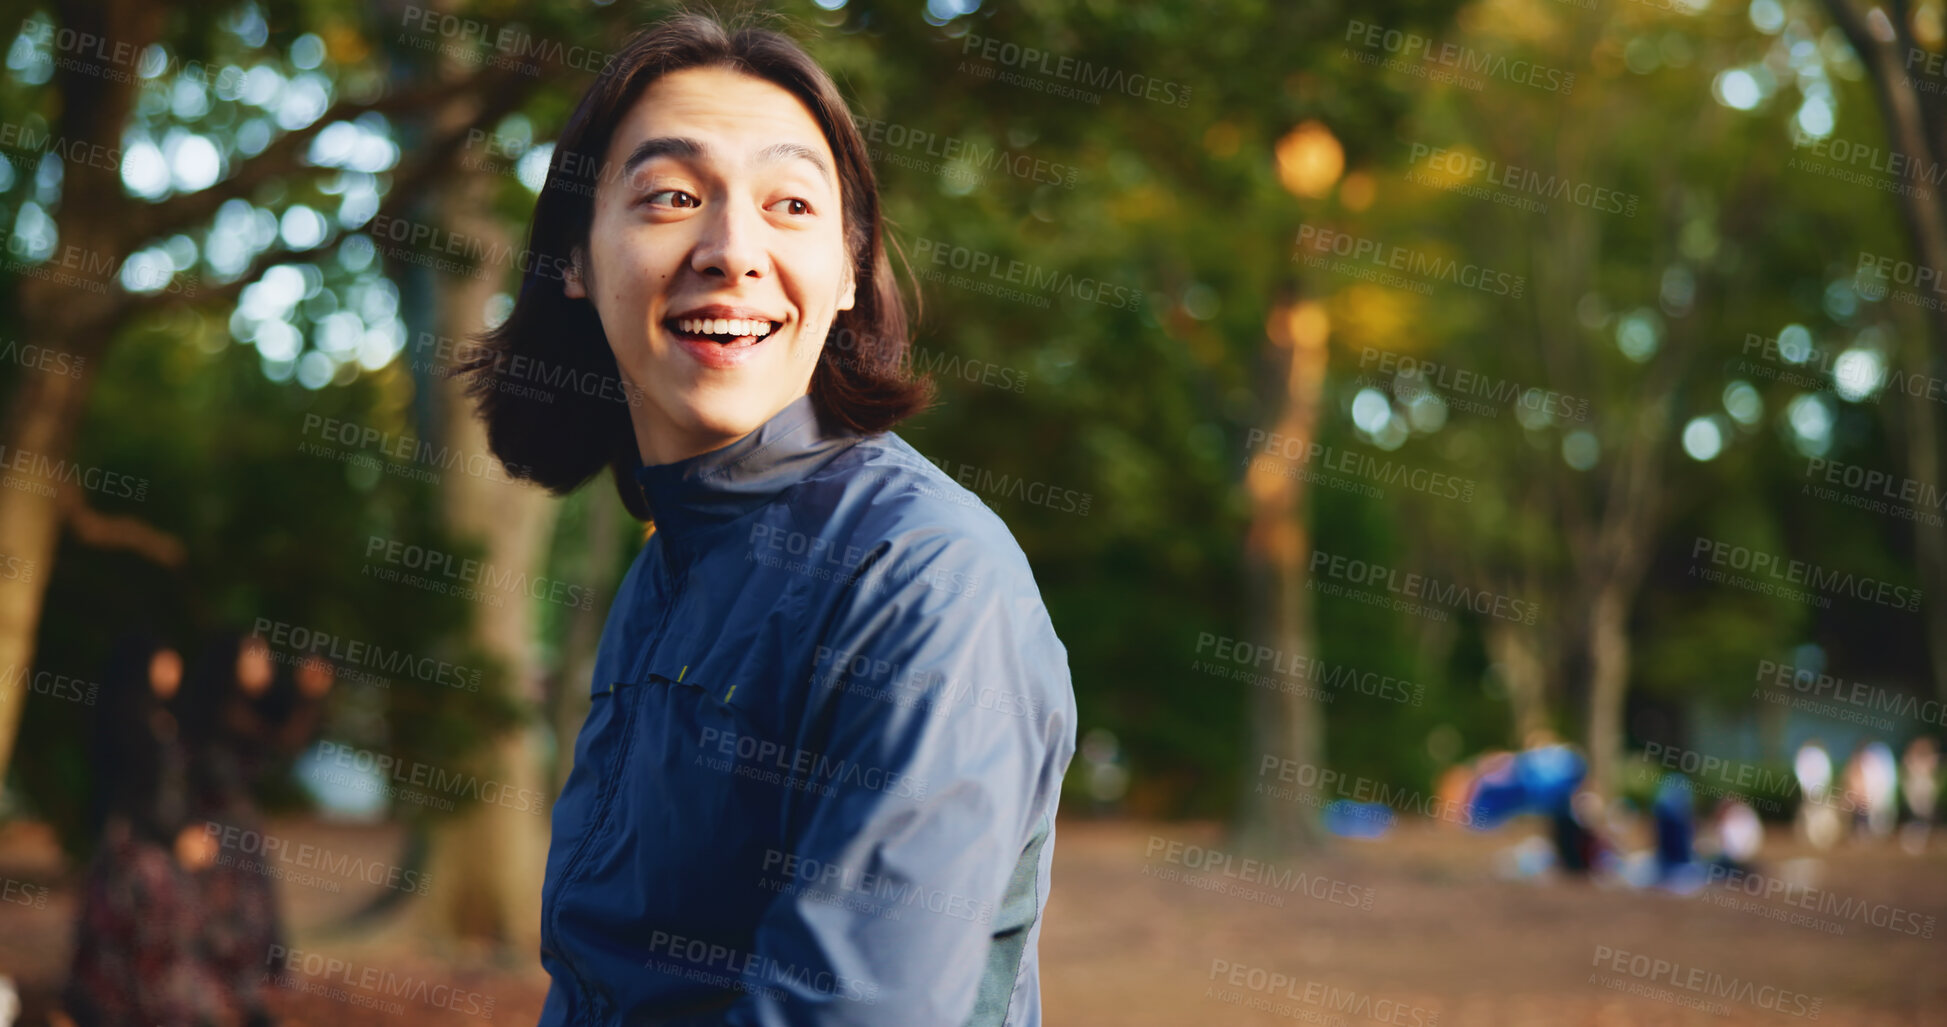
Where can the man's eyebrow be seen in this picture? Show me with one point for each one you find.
(690, 149)
(661, 146)
(786, 151)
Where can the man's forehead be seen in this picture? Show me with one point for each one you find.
(728, 116)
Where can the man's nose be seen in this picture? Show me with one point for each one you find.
(729, 247)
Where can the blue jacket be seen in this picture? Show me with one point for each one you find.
(825, 742)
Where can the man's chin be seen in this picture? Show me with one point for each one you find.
(727, 415)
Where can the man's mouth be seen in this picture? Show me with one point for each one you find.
(723, 331)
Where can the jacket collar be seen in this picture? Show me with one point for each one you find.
(694, 494)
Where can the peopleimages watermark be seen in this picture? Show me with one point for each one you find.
(519, 374)
(1777, 569)
(884, 894)
(1309, 783)
(1890, 170)
(1245, 878)
(1063, 70)
(721, 966)
(1740, 779)
(1895, 380)
(500, 153)
(845, 346)
(868, 676)
(32, 148)
(1636, 973)
(1929, 64)
(1710, 774)
(457, 253)
(42, 358)
(394, 771)
(1928, 288)
(95, 271)
(1265, 987)
(54, 685)
(1405, 591)
(773, 546)
(506, 46)
(1400, 267)
(1028, 276)
(1875, 491)
(1825, 911)
(446, 574)
(1337, 468)
(376, 985)
(116, 60)
(347, 654)
(795, 767)
(1446, 62)
(350, 441)
(1036, 493)
(971, 157)
(38, 474)
(16, 568)
(303, 863)
(1242, 660)
(1459, 387)
(21, 893)
(1518, 182)
(1801, 687)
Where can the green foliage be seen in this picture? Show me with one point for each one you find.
(1122, 377)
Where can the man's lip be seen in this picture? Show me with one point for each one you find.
(725, 312)
(719, 355)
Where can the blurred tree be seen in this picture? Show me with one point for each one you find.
(90, 99)
(1889, 45)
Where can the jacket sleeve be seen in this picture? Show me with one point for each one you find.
(943, 711)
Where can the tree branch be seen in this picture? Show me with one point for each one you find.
(434, 160)
(117, 531)
(285, 156)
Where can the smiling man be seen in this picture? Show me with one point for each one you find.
(726, 208)
(829, 717)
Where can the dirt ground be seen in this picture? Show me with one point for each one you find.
(1414, 930)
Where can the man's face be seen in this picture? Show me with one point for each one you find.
(716, 257)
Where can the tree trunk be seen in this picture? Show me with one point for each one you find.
(1913, 127)
(568, 707)
(45, 412)
(1929, 539)
(43, 417)
(1285, 724)
(1516, 650)
(491, 858)
(1608, 683)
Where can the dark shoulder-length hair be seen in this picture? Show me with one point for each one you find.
(545, 381)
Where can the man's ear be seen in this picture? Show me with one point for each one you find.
(850, 295)
(572, 285)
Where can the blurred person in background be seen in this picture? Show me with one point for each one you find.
(246, 717)
(1818, 822)
(1674, 811)
(138, 955)
(1542, 779)
(1871, 789)
(1882, 780)
(1740, 834)
(1920, 780)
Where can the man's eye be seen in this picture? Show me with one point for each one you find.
(674, 194)
(798, 207)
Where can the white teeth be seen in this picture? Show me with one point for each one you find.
(737, 328)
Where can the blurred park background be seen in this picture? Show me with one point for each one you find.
(1372, 386)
